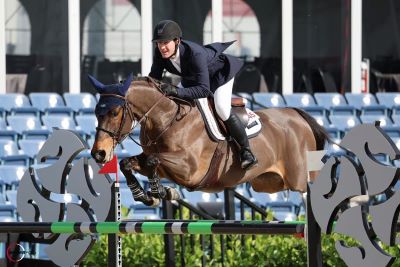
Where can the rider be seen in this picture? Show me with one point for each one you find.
(205, 72)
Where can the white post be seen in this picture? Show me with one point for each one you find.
(287, 47)
(356, 45)
(74, 46)
(217, 20)
(2, 47)
(147, 31)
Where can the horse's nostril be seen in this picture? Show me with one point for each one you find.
(99, 155)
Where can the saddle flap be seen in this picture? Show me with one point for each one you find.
(215, 126)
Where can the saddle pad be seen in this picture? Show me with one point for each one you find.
(252, 129)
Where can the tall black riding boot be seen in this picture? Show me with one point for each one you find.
(237, 131)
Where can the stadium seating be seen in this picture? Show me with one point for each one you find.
(46, 100)
(263, 100)
(58, 121)
(21, 123)
(11, 174)
(31, 147)
(299, 100)
(11, 155)
(329, 100)
(389, 99)
(14, 101)
(87, 123)
(361, 100)
(384, 120)
(80, 103)
(131, 147)
(344, 122)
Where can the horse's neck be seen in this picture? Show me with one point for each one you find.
(160, 114)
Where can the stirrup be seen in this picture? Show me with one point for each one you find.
(245, 162)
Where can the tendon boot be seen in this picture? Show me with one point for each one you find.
(238, 133)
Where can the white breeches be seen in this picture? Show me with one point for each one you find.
(222, 99)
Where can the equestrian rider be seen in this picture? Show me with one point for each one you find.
(205, 72)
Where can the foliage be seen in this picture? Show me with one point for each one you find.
(252, 251)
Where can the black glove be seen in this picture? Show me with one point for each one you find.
(169, 89)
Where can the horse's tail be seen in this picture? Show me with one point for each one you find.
(320, 134)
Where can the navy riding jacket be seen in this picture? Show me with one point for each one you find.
(204, 68)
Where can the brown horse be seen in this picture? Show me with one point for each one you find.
(176, 146)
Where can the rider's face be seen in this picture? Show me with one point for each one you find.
(167, 48)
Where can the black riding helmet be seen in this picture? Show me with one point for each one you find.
(167, 30)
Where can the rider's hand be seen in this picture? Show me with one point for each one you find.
(169, 89)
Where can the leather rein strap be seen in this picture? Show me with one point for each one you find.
(118, 137)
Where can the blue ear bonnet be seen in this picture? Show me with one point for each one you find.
(106, 103)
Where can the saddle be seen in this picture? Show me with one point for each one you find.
(215, 126)
(217, 132)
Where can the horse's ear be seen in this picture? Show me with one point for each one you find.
(127, 83)
(96, 84)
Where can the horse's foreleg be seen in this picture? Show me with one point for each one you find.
(126, 166)
(157, 189)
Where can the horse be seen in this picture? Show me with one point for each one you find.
(177, 146)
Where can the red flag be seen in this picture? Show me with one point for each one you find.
(110, 167)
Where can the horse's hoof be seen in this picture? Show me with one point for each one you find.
(172, 193)
(156, 202)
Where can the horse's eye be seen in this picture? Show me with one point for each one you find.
(115, 113)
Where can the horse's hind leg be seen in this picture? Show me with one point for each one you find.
(126, 166)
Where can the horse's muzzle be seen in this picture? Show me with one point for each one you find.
(99, 155)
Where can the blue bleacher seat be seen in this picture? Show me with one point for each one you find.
(344, 122)
(131, 147)
(392, 131)
(59, 121)
(31, 147)
(14, 100)
(384, 120)
(329, 100)
(267, 100)
(82, 102)
(10, 153)
(46, 101)
(264, 199)
(36, 134)
(197, 196)
(361, 100)
(374, 110)
(21, 123)
(334, 132)
(315, 110)
(11, 175)
(389, 99)
(343, 110)
(322, 120)
(87, 123)
(299, 100)
(5, 133)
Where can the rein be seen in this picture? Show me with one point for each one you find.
(118, 137)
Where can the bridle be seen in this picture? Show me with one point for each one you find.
(118, 136)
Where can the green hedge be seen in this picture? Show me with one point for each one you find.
(148, 250)
(265, 250)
